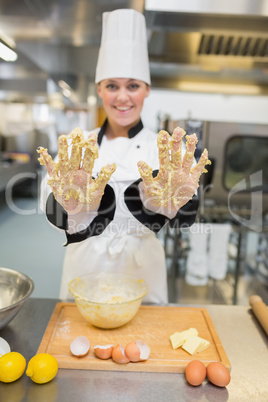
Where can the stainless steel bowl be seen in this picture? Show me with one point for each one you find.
(15, 288)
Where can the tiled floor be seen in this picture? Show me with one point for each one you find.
(30, 245)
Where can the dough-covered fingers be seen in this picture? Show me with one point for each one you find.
(77, 144)
(46, 160)
(176, 182)
(175, 144)
(146, 173)
(164, 158)
(188, 158)
(91, 153)
(94, 197)
(63, 164)
(200, 167)
(105, 175)
(71, 177)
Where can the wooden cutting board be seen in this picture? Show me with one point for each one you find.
(152, 324)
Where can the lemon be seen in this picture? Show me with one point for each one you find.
(42, 368)
(12, 366)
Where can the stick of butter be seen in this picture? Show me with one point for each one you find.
(178, 338)
(194, 344)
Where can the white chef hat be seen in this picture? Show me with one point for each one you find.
(123, 52)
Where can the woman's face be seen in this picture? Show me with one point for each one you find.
(123, 99)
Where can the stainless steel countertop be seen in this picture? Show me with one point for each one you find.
(244, 341)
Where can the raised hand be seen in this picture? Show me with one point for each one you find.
(177, 181)
(71, 177)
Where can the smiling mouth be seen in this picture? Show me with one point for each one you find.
(123, 108)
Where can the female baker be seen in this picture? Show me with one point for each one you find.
(114, 189)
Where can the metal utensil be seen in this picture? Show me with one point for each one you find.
(15, 288)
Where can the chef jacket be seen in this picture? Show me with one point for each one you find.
(121, 235)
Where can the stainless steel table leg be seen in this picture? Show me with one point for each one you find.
(237, 266)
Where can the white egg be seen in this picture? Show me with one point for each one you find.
(80, 346)
(4, 347)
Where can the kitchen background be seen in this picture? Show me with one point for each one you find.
(209, 68)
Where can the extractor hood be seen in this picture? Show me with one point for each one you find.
(208, 41)
(195, 45)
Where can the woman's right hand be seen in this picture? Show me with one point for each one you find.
(71, 177)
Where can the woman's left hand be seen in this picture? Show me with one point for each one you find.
(177, 181)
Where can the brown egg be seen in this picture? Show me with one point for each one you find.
(195, 372)
(118, 355)
(137, 351)
(218, 374)
(103, 351)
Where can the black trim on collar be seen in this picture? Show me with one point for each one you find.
(135, 130)
(132, 132)
(102, 131)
